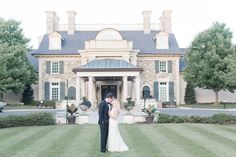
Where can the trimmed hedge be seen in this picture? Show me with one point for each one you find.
(33, 119)
(220, 118)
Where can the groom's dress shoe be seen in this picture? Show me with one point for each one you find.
(104, 150)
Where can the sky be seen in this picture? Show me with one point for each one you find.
(189, 17)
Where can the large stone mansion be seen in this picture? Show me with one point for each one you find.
(136, 62)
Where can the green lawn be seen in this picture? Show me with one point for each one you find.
(164, 140)
(17, 107)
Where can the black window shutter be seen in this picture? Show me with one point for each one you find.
(48, 67)
(61, 67)
(171, 92)
(46, 91)
(157, 66)
(62, 90)
(156, 90)
(169, 66)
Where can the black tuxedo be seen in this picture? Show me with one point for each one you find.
(103, 121)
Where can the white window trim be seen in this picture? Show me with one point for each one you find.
(160, 67)
(58, 90)
(167, 90)
(58, 67)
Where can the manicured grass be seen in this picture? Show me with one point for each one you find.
(143, 140)
(17, 107)
(211, 106)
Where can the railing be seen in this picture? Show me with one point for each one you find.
(95, 27)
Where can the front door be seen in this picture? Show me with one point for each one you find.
(108, 89)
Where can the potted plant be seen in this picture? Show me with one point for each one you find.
(129, 104)
(150, 111)
(86, 104)
(72, 111)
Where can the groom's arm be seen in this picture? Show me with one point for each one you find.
(101, 112)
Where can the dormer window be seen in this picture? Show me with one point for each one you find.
(108, 34)
(162, 41)
(55, 41)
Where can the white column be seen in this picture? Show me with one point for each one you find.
(77, 89)
(125, 88)
(90, 89)
(137, 83)
(133, 90)
(83, 90)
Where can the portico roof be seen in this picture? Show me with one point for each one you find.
(107, 65)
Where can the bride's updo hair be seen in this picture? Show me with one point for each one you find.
(115, 103)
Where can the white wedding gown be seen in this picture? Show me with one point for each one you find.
(115, 142)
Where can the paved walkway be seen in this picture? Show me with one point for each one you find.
(93, 115)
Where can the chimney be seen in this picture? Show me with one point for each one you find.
(57, 25)
(165, 20)
(51, 16)
(71, 22)
(147, 22)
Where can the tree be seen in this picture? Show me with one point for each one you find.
(189, 97)
(15, 71)
(208, 59)
(28, 95)
(231, 77)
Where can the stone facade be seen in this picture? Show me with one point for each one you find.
(134, 70)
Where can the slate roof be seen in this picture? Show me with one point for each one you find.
(73, 43)
(107, 65)
(33, 60)
(143, 42)
(181, 63)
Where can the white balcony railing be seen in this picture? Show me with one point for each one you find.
(96, 27)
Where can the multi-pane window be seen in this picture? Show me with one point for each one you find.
(163, 92)
(55, 91)
(55, 67)
(163, 66)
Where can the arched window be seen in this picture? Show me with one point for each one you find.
(146, 92)
(108, 34)
(71, 93)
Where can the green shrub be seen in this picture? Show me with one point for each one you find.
(165, 118)
(190, 97)
(46, 103)
(179, 119)
(33, 119)
(28, 95)
(221, 118)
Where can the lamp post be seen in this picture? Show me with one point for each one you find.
(144, 100)
(224, 103)
(66, 98)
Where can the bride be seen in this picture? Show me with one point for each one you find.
(115, 142)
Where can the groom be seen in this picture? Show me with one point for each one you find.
(103, 120)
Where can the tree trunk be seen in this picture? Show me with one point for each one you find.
(1, 96)
(217, 97)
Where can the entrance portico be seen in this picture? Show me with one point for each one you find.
(99, 77)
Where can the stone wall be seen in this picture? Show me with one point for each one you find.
(69, 63)
(148, 76)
